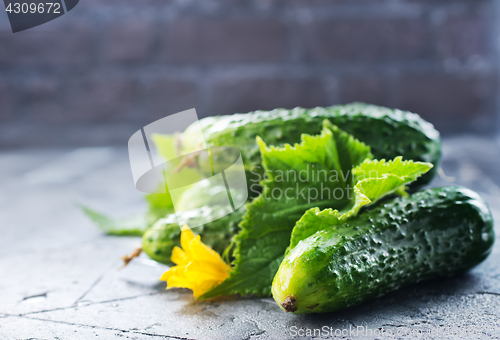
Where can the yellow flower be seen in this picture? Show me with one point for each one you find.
(198, 267)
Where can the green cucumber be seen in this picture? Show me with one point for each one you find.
(159, 240)
(389, 133)
(433, 233)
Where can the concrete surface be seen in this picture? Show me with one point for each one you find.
(60, 277)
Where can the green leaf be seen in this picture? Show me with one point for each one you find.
(166, 145)
(408, 170)
(132, 226)
(159, 205)
(296, 182)
(373, 180)
(312, 221)
(350, 150)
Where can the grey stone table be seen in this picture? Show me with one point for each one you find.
(60, 277)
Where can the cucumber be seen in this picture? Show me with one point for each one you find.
(389, 133)
(159, 240)
(433, 233)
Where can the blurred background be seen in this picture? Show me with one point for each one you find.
(97, 74)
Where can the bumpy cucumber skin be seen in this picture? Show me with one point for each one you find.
(434, 233)
(390, 133)
(159, 240)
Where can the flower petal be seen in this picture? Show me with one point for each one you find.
(179, 257)
(198, 267)
(186, 237)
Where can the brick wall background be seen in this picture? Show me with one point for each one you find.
(108, 67)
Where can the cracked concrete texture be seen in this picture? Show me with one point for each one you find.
(51, 279)
(61, 277)
(25, 328)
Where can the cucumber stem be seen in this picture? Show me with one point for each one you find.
(290, 304)
(127, 258)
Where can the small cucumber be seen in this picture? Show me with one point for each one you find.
(433, 233)
(159, 240)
